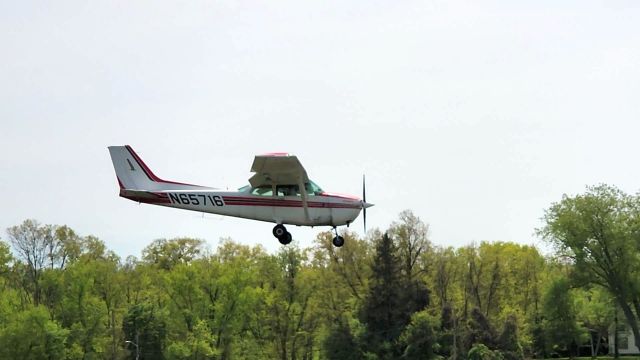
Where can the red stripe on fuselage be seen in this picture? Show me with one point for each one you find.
(160, 198)
(245, 201)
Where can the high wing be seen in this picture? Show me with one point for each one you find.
(278, 169)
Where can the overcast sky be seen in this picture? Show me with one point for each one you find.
(476, 115)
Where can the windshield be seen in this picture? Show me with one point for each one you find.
(312, 188)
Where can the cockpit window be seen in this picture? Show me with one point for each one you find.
(262, 191)
(288, 190)
(282, 190)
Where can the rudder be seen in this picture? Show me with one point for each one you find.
(134, 174)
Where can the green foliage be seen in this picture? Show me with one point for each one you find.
(560, 324)
(168, 253)
(340, 344)
(144, 325)
(480, 331)
(374, 298)
(5, 258)
(419, 338)
(508, 342)
(598, 231)
(30, 334)
(383, 308)
(482, 352)
(199, 345)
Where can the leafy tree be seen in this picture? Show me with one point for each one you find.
(169, 253)
(446, 334)
(200, 345)
(598, 231)
(508, 342)
(5, 258)
(144, 325)
(413, 245)
(350, 263)
(560, 324)
(411, 234)
(31, 243)
(596, 312)
(482, 352)
(419, 338)
(30, 334)
(480, 331)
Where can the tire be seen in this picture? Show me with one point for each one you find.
(338, 241)
(279, 231)
(286, 238)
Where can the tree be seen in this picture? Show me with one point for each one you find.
(480, 331)
(599, 232)
(482, 352)
(145, 326)
(413, 244)
(411, 234)
(30, 334)
(419, 337)
(596, 313)
(31, 244)
(340, 344)
(169, 253)
(382, 311)
(560, 324)
(5, 259)
(508, 342)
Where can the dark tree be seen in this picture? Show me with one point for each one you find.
(383, 312)
(508, 341)
(480, 331)
(144, 326)
(340, 344)
(447, 332)
(560, 324)
(419, 337)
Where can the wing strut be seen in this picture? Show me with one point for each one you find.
(303, 192)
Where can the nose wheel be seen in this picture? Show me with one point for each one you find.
(281, 233)
(338, 240)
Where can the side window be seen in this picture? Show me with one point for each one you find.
(262, 191)
(288, 190)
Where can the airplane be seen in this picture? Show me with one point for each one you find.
(279, 191)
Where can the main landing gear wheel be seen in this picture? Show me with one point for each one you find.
(338, 241)
(281, 233)
(286, 238)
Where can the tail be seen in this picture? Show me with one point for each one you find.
(134, 174)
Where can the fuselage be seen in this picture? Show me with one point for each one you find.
(323, 209)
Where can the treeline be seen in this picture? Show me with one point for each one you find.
(390, 295)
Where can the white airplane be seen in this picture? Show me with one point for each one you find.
(278, 192)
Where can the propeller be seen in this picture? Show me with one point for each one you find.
(364, 203)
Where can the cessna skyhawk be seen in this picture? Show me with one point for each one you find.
(278, 192)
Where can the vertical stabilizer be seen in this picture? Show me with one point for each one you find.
(134, 174)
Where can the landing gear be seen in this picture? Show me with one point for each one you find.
(338, 240)
(281, 233)
(286, 238)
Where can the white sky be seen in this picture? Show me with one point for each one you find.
(475, 115)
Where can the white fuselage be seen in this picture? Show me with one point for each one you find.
(324, 209)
